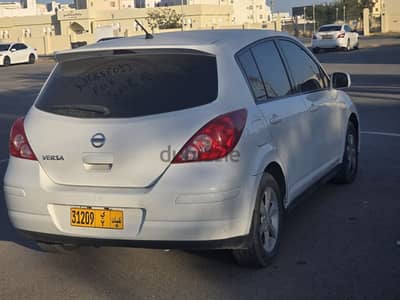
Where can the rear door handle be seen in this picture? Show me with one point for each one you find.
(314, 107)
(275, 119)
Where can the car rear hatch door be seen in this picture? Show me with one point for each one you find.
(116, 121)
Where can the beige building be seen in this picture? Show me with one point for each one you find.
(390, 15)
(94, 19)
(23, 8)
(377, 8)
(103, 4)
(244, 11)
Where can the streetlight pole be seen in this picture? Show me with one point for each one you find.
(337, 14)
(314, 20)
(304, 25)
(344, 13)
(181, 15)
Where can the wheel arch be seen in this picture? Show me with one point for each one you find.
(276, 171)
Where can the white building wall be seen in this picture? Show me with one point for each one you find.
(127, 3)
(245, 11)
(22, 9)
(250, 11)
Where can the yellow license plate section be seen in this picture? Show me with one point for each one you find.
(97, 218)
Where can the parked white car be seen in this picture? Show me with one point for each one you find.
(199, 139)
(335, 36)
(16, 53)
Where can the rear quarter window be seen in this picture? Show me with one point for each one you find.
(123, 86)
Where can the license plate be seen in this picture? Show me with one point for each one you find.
(97, 218)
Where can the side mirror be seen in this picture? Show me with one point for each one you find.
(13, 50)
(340, 80)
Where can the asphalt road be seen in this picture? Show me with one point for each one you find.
(341, 243)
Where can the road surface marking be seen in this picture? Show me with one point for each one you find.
(3, 160)
(381, 133)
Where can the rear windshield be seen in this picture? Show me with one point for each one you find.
(330, 28)
(130, 85)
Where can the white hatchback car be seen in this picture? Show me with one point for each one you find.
(16, 53)
(197, 139)
(335, 36)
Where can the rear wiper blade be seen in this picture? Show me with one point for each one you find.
(97, 109)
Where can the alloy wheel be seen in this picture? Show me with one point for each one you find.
(269, 219)
(351, 151)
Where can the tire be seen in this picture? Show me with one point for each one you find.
(6, 61)
(266, 228)
(315, 50)
(349, 167)
(31, 59)
(348, 46)
(357, 46)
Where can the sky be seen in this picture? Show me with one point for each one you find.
(280, 5)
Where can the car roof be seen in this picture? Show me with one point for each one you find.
(202, 40)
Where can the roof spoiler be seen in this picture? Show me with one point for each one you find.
(84, 53)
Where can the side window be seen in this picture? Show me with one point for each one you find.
(22, 47)
(253, 76)
(272, 70)
(17, 47)
(306, 73)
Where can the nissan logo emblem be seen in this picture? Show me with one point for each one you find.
(98, 140)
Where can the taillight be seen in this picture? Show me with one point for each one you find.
(19, 145)
(215, 140)
(341, 35)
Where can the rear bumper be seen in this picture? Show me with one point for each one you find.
(230, 243)
(177, 210)
(329, 44)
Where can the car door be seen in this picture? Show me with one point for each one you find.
(13, 53)
(17, 56)
(350, 35)
(323, 117)
(23, 52)
(283, 112)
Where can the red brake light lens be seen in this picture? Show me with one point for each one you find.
(341, 35)
(19, 145)
(215, 140)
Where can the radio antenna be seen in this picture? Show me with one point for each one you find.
(148, 34)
